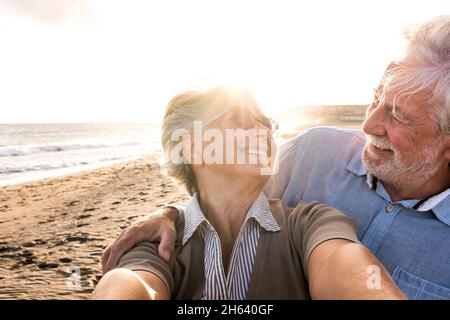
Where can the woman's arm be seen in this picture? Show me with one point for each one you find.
(124, 284)
(341, 269)
(336, 265)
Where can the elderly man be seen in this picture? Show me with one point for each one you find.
(393, 178)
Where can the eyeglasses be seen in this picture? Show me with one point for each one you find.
(241, 115)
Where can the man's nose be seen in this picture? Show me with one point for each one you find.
(375, 121)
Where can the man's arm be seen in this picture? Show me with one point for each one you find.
(159, 226)
(124, 284)
(341, 269)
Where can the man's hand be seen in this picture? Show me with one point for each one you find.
(159, 226)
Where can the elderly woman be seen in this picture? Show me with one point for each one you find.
(233, 242)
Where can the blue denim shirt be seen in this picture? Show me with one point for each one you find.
(325, 164)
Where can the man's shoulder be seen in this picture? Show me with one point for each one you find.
(331, 135)
(326, 142)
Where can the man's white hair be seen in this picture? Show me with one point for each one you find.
(423, 73)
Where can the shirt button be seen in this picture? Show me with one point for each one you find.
(389, 208)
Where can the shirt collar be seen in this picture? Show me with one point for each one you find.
(193, 217)
(356, 165)
(260, 211)
(439, 203)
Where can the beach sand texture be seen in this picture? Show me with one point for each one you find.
(51, 227)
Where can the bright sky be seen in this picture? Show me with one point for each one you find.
(122, 60)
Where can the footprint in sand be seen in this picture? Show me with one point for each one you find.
(30, 258)
(71, 203)
(81, 239)
(82, 225)
(86, 271)
(10, 249)
(60, 243)
(46, 221)
(28, 261)
(46, 265)
(28, 244)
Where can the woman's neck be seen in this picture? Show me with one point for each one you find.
(225, 202)
(226, 207)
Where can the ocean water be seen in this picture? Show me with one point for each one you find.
(35, 151)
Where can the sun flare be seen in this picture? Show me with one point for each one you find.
(122, 61)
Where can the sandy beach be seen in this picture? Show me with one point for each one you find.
(53, 227)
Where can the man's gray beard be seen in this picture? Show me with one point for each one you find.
(400, 173)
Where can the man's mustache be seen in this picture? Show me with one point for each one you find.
(380, 143)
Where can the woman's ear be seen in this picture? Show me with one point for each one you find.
(196, 151)
(186, 148)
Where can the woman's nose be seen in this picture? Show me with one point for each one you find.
(246, 120)
(375, 121)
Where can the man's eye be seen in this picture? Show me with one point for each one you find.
(376, 102)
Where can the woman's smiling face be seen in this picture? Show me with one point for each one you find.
(239, 139)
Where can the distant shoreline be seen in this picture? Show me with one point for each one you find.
(38, 151)
(60, 173)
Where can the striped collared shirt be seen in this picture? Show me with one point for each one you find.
(233, 285)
